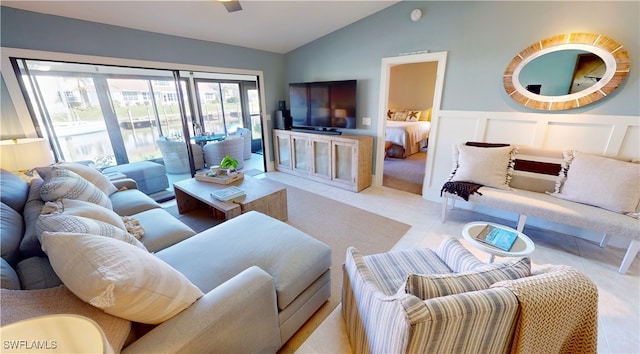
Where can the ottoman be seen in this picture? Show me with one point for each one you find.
(299, 264)
(151, 177)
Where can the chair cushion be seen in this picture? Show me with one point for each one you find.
(121, 279)
(131, 201)
(458, 258)
(427, 286)
(11, 231)
(30, 245)
(62, 183)
(14, 190)
(18, 305)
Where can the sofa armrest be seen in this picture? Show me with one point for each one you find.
(125, 182)
(239, 316)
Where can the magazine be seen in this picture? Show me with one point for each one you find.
(228, 193)
(497, 237)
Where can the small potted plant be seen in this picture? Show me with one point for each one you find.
(228, 166)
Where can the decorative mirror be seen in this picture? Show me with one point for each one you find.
(566, 71)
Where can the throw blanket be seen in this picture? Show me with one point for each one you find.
(461, 189)
(558, 312)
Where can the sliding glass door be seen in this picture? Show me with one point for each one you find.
(114, 115)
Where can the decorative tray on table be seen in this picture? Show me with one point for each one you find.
(208, 176)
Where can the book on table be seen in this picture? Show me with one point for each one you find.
(226, 194)
(497, 237)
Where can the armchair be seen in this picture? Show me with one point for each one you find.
(447, 301)
(174, 154)
(246, 137)
(233, 145)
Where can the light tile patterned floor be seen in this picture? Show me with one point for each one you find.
(619, 295)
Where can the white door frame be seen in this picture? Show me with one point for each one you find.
(387, 63)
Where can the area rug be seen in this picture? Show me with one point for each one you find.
(405, 174)
(338, 225)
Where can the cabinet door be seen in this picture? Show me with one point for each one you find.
(321, 157)
(344, 162)
(300, 150)
(283, 151)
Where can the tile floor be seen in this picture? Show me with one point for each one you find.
(619, 295)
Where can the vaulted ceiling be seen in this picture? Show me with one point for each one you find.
(274, 26)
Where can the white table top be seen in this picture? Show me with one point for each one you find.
(523, 245)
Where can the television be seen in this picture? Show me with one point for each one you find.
(324, 105)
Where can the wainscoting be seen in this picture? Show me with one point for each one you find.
(615, 136)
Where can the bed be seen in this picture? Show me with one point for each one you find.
(411, 135)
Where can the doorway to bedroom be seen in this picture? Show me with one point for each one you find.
(410, 93)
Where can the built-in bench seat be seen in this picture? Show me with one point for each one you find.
(535, 174)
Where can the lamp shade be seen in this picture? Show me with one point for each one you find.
(24, 154)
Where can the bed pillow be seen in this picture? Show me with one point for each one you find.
(488, 166)
(123, 280)
(426, 116)
(399, 115)
(428, 286)
(63, 183)
(599, 181)
(413, 116)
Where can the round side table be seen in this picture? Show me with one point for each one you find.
(523, 245)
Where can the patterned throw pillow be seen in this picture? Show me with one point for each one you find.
(62, 183)
(78, 224)
(122, 280)
(436, 285)
(85, 209)
(91, 174)
(413, 116)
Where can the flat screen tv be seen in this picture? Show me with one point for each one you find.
(323, 105)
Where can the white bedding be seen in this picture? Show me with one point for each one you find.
(409, 135)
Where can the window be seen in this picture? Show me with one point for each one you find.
(114, 114)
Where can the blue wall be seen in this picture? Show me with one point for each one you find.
(481, 38)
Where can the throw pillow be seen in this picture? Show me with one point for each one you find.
(600, 181)
(427, 116)
(413, 116)
(91, 174)
(488, 166)
(436, 285)
(400, 115)
(79, 224)
(122, 280)
(85, 209)
(18, 305)
(62, 183)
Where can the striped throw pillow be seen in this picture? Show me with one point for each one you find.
(431, 286)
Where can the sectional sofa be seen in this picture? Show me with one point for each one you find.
(246, 285)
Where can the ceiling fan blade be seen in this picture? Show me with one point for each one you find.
(232, 6)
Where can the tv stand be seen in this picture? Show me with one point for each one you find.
(343, 161)
(324, 131)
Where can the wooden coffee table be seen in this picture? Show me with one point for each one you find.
(261, 194)
(522, 247)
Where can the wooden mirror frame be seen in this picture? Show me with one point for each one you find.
(614, 55)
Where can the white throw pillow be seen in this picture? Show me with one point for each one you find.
(121, 279)
(488, 166)
(413, 116)
(85, 209)
(600, 181)
(63, 183)
(77, 224)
